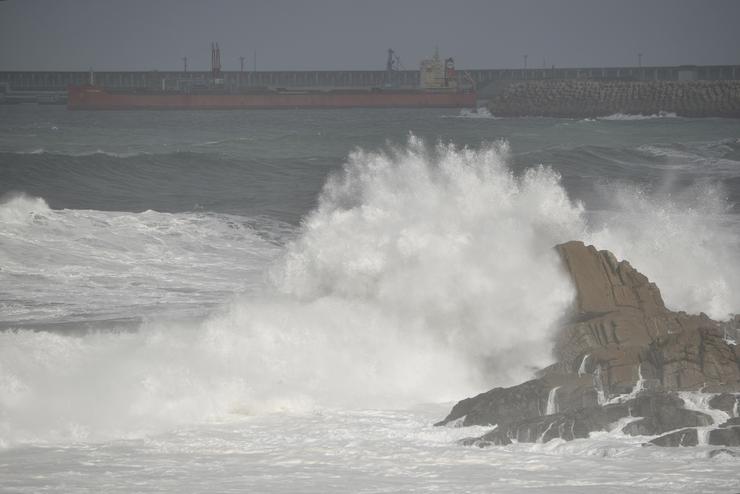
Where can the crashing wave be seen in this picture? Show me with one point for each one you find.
(628, 116)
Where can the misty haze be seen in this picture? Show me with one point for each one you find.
(388, 246)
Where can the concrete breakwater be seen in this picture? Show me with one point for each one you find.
(588, 99)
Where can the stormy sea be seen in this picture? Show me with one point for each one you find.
(287, 301)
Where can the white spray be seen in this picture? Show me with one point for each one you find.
(422, 276)
(552, 404)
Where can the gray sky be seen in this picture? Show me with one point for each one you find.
(349, 34)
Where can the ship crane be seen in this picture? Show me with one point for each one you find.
(391, 65)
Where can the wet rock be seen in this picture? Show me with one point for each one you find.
(479, 442)
(723, 452)
(731, 422)
(683, 437)
(531, 399)
(651, 413)
(568, 425)
(661, 412)
(501, 405)
(725, 436)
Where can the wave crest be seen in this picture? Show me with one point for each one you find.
(19, 208)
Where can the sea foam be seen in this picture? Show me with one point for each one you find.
(425, 274)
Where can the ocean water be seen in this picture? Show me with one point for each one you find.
(286, 301)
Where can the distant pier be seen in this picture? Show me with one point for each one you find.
(48, 85)
(59, 80)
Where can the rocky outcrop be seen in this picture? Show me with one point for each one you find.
(625, 333)
(588, 99)
(623, 361)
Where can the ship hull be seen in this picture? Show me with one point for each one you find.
(94, 98)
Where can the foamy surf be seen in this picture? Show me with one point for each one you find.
(382, 300)
(339, 451)
(633, 117)
(481, 112)
(425, 274)
(78, 265)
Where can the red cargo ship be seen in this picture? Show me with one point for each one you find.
(439, 89)
(95, 98)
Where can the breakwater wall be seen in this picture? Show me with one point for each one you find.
(588, 99)
(483, 78)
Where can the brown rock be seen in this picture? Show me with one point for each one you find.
(620, 342)
(621, 322)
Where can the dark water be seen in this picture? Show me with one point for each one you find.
(135, 213)
(275, 162)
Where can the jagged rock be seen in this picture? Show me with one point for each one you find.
(501, 405)
(661, 412)
(683, 437)
(654, 412)
(621, 342)
(568, 425)
(527, 400)
(725, 436)
(604, 285)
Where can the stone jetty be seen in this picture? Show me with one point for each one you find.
(590, 99)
